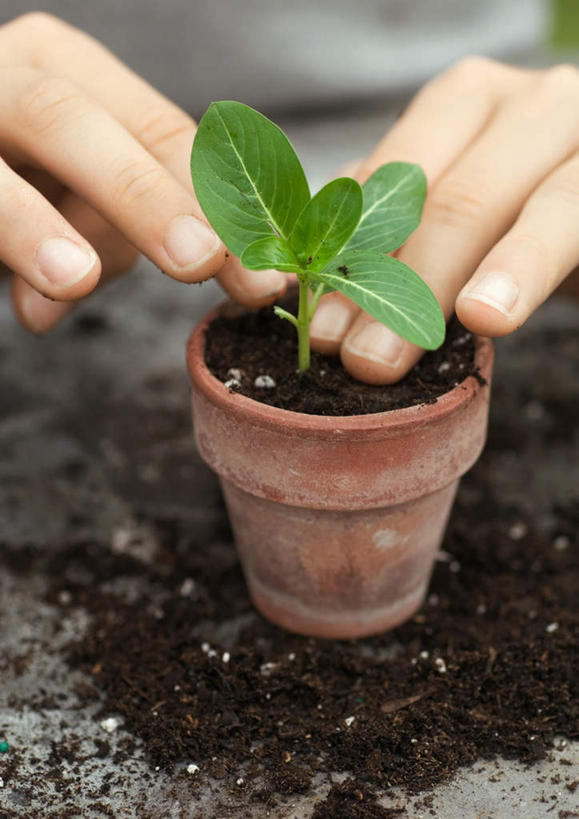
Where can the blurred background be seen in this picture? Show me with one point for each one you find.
(312, 55)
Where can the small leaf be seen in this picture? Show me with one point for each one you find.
(271, 253)
(281, 313)
(247, 177)
(326, 223)
(390, 292)
(393, 200)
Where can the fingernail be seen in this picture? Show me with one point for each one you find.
(189, 242)
(498, 290)
(331, 321)
(41, 314)
(62, 262)
(377, 343)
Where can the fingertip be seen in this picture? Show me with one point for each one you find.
(64, 269)
(492, 303)
(325, 346)
(194, 252)
(332, 320)
(483, 319)
(375, 355)
(36, 312)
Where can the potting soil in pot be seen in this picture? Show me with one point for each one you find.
(256, 354)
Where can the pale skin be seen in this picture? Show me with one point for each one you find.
(94, 170)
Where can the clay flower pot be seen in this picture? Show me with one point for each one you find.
(337, 519)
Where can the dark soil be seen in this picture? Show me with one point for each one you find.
(502, 617)
(259, 343)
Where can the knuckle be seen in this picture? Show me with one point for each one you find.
(456, 204)
(537, 247)
(543, 257)
(137, 181)
(164, 126)
(46, 101)
(23, 198)
(564, 190)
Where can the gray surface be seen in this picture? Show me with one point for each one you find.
(131, 375)
(305, 54)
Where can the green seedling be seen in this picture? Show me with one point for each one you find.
(253, 190)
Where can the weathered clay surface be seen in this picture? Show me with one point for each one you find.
(338, 574)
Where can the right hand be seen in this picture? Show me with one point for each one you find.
(94, 168)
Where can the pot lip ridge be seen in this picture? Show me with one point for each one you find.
(265, 415)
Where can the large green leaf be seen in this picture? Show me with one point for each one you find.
(247, 177)
(270, 253)
(391, 292)
(393, 201)
(326, 223)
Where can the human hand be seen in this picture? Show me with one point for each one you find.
(94, 167)
(500, 228)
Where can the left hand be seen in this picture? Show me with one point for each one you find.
(94, 167)
(500, 229)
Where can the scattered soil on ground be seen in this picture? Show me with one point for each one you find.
(489, 667)
(260, 344)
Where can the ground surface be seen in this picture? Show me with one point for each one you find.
(95, 446)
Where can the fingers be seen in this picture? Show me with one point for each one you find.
(35, 311)
(446, 116)
(56, 48)
(39, 245)
(441, 122)
(332, 320)
(40, 314)
(374, 354)
(529, 262)
(55, 126)
(161, 127)
(451, 110)
(470, 208)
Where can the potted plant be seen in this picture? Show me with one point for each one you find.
(337, 519)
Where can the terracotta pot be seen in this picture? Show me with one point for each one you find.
(337, 519)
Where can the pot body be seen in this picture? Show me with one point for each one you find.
(337, 519)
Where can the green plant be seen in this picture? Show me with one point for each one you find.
(253, 190)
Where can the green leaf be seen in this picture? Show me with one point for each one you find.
(270, 253)
(393, 200)
(326, 223)
(247, 177)
(392, 293)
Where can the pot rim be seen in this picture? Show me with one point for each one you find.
(265, 415)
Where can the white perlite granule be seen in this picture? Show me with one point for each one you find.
(264, 382)
(109, 724)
